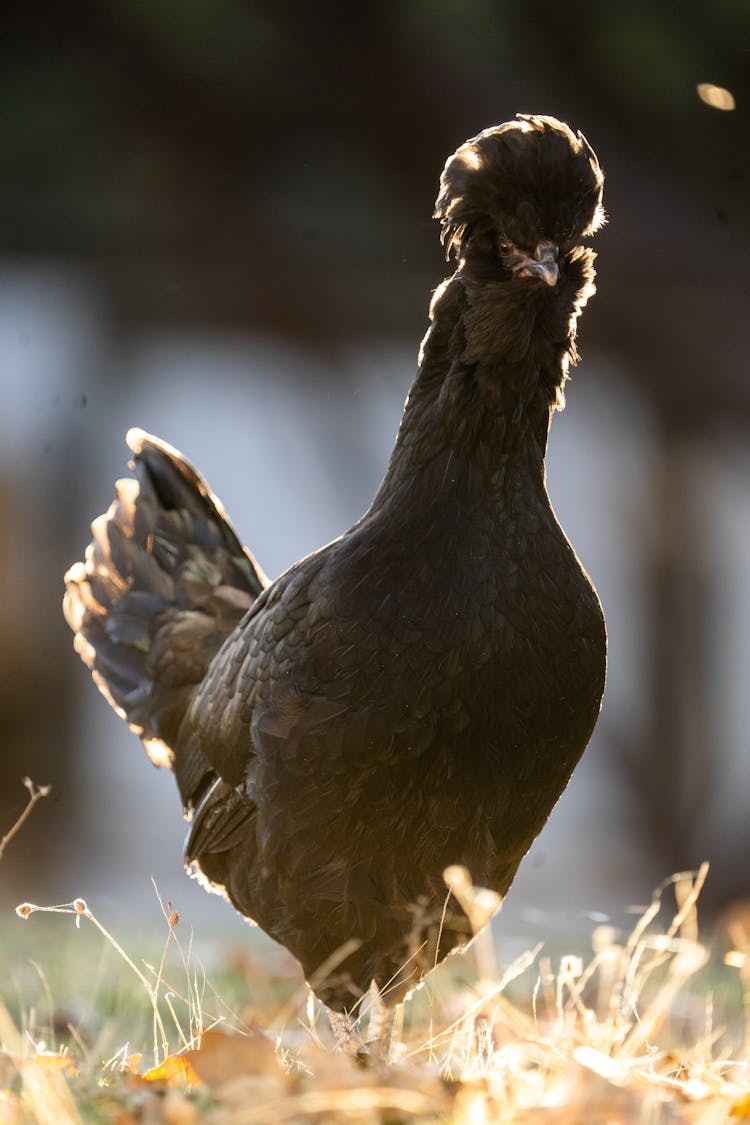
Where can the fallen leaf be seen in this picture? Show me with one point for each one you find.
(253, 1090)
(222, 1057)
(176, 1070)
(177, 1110)
(741, 1109)
(122, 1117)
(47, 1060)
(11, 1111)
(132, 1062)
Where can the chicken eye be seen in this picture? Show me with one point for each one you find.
(505, 247)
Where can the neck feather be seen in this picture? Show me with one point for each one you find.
(491, 370)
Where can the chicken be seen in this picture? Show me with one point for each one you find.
(417, 693)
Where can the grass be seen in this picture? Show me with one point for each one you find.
(648, 1026)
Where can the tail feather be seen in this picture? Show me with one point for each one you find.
(165, 580)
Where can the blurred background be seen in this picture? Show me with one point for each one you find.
(215, 224)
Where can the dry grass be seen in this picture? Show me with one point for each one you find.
(648, 1027)
(36, 793)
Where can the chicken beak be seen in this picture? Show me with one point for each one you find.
(543, 265)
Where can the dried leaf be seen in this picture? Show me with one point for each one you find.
(11, 1110)
(176, 1070)
(330, 1070)
(741, 1109)
(253, 1090)
(47, 1060)
(177, 1110)
(222, 1057)
(132, 1062)
(122, 1117)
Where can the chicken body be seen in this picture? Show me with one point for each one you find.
(417, 693)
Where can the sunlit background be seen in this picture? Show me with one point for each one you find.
(215, 224)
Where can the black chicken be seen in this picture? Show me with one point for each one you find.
(417, 693)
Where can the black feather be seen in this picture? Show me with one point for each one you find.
(417, 693)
